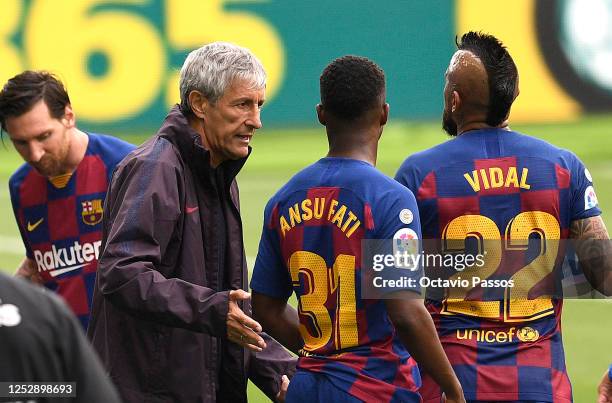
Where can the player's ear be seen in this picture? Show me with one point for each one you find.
(384, 115)
(455, 101)
(517, 91)
(198, 103)
(68, 118)
(321, 114)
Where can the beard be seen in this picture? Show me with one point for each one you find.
(48, 166)
(448, 124)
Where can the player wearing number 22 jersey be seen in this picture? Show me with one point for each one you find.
(491, 183)
(500, 182)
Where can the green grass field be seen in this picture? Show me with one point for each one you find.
(279, 153)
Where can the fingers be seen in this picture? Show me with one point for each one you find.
(236, 314)
(241, 329)
(245, 342)
(244, 334)
(284, 383)
(282, 393)
(239, 295)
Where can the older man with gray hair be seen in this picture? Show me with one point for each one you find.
(170, 317)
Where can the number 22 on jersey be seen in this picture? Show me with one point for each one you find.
(516, 307)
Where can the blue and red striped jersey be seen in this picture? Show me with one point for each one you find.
(61, 227)
(312, 245)
(501, 185)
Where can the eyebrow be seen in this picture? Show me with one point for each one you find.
(37, 136)
(248, 99)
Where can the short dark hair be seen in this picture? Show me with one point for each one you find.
(21, 92)
(501, 71)
(351, 85)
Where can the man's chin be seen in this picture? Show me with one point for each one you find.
(239, 153)
(48, 172)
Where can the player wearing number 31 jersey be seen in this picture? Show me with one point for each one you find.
(312, 245)
(490, 182)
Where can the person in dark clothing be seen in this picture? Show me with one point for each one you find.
(171, 320)
(42, 341)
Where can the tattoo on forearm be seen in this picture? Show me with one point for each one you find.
(594, 250)
(589, 228)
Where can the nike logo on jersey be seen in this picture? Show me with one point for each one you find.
(191, 209)
(32, 227)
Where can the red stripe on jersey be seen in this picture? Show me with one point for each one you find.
(74, 292)
(366, 386)
(366, 390)
(562, 389)
(91, 176)
(493, 381)
(33, 189)
(403, 378)
(368, 217)
(450, 208)
(496, 171)
(311, 364)
(292, 241)
(62, 219)
(40, 261)
(460, 351)
(563, 177)
(92, 238)
(427, 190)
(430, 391)
(321, 200)
(273, 223)
(535, 354)
(541, 200)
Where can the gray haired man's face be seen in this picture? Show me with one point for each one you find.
(231, 122)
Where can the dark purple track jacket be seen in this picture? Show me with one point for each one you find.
(172, 249)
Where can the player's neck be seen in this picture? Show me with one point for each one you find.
(357, 148)
(354, 155)
(479, 123)
(77, 150)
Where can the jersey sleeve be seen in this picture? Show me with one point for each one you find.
(118, 151)
(401, 229)
(270, 275)
(584, 199)
(407, 175)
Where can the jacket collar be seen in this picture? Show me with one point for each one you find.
(176, 129)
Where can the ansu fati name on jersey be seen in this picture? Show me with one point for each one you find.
(317, 208)
(61, 260)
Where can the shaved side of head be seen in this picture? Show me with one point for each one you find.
(468, 76)
(481, 84)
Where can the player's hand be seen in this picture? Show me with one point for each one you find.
(604, 391)
(453, 398)
(282, 393)
(241, 329)
(29, 271)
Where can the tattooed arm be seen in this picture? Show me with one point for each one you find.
(594, 251)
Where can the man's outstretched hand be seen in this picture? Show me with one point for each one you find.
(242, 329)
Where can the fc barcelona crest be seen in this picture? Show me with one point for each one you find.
(92, 211)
